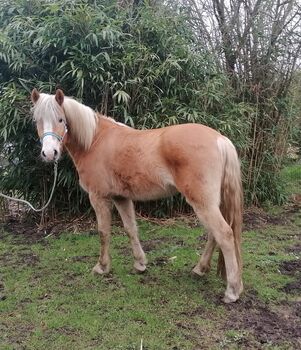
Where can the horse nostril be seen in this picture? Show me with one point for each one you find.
(55, 152)
(43, 154)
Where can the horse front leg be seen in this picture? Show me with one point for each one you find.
(103, 211)
(126, 211)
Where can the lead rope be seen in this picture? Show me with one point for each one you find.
(27, 203)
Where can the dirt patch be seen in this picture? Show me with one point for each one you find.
(148, 280)
(112, 281)
(292, 268)
(293, 287)
(26, 231)
(160, 261)
(296, 249)
(293, 207)
(255, 218)
(29, 232)
(256, 324)
(197, 311)
(154, 244)
(28, 259)
(6, 259)
(83, 258)
(265, 325)
(15, 333)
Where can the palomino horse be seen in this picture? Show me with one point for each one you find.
(118, 164)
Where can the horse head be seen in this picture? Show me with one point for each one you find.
(51, 123)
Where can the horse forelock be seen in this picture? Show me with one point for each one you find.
(46, 108)
(81, 120)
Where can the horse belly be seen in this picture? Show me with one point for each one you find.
(153, 193)
(144, 186)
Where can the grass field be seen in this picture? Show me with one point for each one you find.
(50, 300)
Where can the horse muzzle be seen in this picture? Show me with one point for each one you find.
(50, 155)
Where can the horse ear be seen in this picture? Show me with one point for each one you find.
(59, 96)
(34, 95)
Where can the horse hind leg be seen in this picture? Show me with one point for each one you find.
(213, 220)
(204, 264)
(126, 211)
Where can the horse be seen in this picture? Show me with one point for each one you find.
(118, 164)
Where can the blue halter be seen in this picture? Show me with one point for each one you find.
(50, 133)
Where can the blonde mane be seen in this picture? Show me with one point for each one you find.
(81, 120)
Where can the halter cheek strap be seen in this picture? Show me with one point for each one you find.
(57, 136)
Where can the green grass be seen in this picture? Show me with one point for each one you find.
(53, 301)
(59, 296)
(292, 177)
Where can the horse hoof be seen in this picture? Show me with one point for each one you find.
(99, 270)
(139, 267)
(227, 300)
(196, 271)
(230, 299)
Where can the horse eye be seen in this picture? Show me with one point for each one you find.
(60, 120)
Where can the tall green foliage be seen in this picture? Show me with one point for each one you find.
(142, 67)
(257, 44)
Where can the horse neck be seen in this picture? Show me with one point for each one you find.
(76, 151)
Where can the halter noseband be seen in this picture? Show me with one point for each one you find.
(57, 136)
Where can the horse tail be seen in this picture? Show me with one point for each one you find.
(231, 199)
